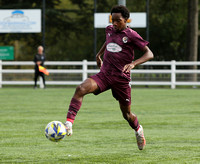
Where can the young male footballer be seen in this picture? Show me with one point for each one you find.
(118, 50)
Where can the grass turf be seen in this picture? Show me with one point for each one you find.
(170, 119)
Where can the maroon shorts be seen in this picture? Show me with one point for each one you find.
(121, 89)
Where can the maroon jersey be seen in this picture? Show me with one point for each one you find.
(119, 51)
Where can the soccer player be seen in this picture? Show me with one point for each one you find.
(39, 59)
(118, 50)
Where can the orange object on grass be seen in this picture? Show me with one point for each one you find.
(44, 70)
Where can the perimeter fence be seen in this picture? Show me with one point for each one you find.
(152, 73)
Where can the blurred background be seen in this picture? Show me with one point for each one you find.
(69, 29)
(68, 34)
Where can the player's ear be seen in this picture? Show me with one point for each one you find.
(125, 20)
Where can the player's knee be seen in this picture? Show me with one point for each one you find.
(80, 90)
(127, 116)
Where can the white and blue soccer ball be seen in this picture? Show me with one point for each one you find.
(55, 131)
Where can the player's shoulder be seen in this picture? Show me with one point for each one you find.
(130, 31)
(109, 28)
(132, 34)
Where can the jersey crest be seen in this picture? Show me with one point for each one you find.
(125, 39)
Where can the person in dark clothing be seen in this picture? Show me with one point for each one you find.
(39, 59)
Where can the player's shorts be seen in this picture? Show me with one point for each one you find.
(121, 89)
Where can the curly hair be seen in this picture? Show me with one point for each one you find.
(121, 9)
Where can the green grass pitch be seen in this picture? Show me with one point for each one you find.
(170, 118)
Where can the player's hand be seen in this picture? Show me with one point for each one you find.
(99, 61)
(128, 67)
(38, 63)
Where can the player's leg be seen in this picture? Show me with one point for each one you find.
(88, 86)
(43, 78)
(36, 77)
(129, 116)
(133, 122)
(122, 92)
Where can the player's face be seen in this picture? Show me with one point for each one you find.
(119, 23)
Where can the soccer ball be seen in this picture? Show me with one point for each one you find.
(55, 131)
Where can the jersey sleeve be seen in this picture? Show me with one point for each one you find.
(138, 41)
(108, 29)
(35, 59)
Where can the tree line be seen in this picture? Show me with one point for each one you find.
(69, 29)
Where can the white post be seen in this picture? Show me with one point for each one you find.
(84, 70)
(41, 83)
(0, 73)
(122, 2)
(173, 74)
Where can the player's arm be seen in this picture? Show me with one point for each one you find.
(147, 56)
(99, 54)
(37, 61)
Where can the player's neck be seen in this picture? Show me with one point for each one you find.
(125, 28)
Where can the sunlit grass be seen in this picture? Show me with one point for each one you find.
(170, 119)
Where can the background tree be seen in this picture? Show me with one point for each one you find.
(70, 26)
(57, 21)
(192, 41)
